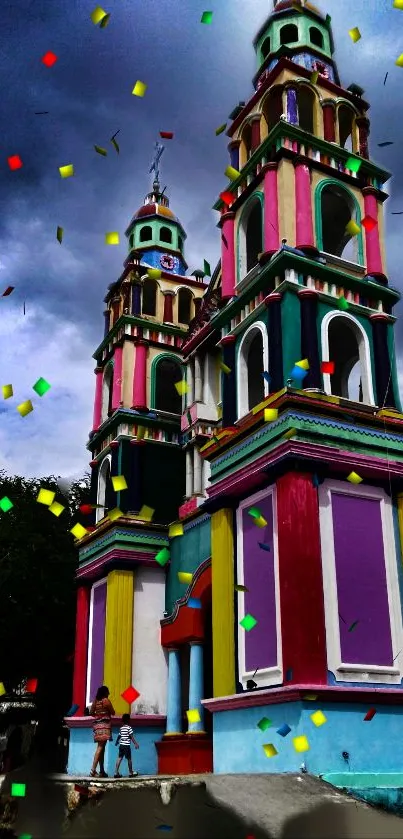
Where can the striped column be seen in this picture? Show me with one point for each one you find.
(117, 378)
(309, 337)
(400, 518)
(303, 206)
(383, 371)
(98, 399)
(119, 636)
(174, 706)
(329, 121)
(228, 281)
(271, 224)
(140, 376)
(223, 617)
(196, 687)
(274, 331)
(81, 649)
(372, 243)
(229, 407)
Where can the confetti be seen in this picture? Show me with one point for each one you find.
(175, 529)
(206, 17)
(310, 697)
(225, 368)
(270, 414)
(240, 588)
(290, 433)
(399, 61)
(298, 373)
(162, 556)
(194, 603)
(248, 622)
(354, 478)
(164, 827)
(41, 386)
(166, 135)
(25, 408)
(5, 504)
(59, 234)
(78, 531)
(270, 750)
(15, 162)
(104, 22)
(139, 89)
(66, 171)
(303, 364)
(327, 367)
(100, 150)
(301, 743)
(206, 268)
(119, 483)
(264, 724)
(263, 546)
(7, 391)
(114, 514)
(232, 173)
(185, 577)
(370, 715)
(284, 730)
(369, 223)
(112, 238)
(353, 164)
(98, 15)
(114, 142)
(31, 685)
(266, 376)
(72, 711)
(2, 689)
(8, 291)
(318, 718)
(227, 197)
(182, 387)
(353, 626)
(130, 694)
(317, 480)
(49, 59)
(254, 512)
(355, 34)
(386, 143)
(398, 4)
(288, 675)
(386, 76)
(314, 77)
(221, 129)
(343, 304)
(193, 715)
(154, 273)
(146, 513)
(56, 508)
(18, 790)
(46, 496)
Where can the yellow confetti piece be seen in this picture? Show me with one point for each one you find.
(398, 4)
(182, 387)
(175, 529)
(119, 483)
(225, 368)
(290, 433)
(114, 514)
(7, 391)
(66, 171)
(270, 414)
(2, 689)
(46, 496)
(270, 750)
(314, 77)
(399, 61)
(184, 577)
(260, 521)
(100, 150)
(310, 697)
(353, 228)
(97, 15)
(318, 718)
(146, 513)
(154, 273)
(112, 238)
(355, 34)
(56, 508)
(193, 715)
(139, 89)
(304, 364)
(232, 173)
(140, 432)
(301, 743)
(25, 408)
(354, 478)
(78, 531)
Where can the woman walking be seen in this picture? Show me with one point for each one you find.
(102, 709)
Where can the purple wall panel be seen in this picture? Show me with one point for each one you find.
(260, 600)
(361, 581)
(98, 639)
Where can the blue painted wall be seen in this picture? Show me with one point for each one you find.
(144, 759)
(375, 746)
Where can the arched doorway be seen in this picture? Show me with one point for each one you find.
(347, 346)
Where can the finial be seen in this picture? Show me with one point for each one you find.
(155, 164)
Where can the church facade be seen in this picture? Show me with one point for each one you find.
(252, 569)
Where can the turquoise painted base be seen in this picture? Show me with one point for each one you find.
(382, 789)
(372, 747)
(82, 748)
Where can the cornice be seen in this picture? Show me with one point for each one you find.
(299, 693)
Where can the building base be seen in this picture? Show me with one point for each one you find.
(185, 754)
(147, 730)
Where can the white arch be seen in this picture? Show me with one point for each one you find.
(242, 230)
(242, 365)
(364, 354)
(101, 489)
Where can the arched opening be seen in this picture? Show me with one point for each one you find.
(107, 392)
(316, 37)
(250, 237)
(346, 119)
(247, 142)
(104, 475)
(149, 302)
(255, 371)
(146, 233)
(265, 48)
(184, 305)
(289, 34)
(337, 209)
(306, 106)
(166, 235)
(273, 107)
(252, 361)
(168, 373)
(347, 349)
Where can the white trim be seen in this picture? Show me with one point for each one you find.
(343, 671)
(88, 698)
(242, 367)
(100, 511)
(268, 676)
(363, 351)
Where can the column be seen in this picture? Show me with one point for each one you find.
(309, 337)
(274, 331)
(233, 148)
(400, 518)
(197, 473)
(303, 206)
(190, 396)
(271, 222)
(198, 378)
(223, 615)
(136, 473)
(189, 473)
(383, 373)
(168, 306)
(228, 281)
(174, 709)
(119, 636)
(106, 322)
(329, 122)
(81, 649)
(117, 378)
(292, 105)
(362, 124)
(255, 124)
(98, 399)
(301, 582)
(372, 243)
(136, 298)
(196, 687)
(229, 406)
(140, 376)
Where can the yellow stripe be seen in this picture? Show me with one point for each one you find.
(119, 636)
(223, 618)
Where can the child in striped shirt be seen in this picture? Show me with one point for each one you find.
(124, 739)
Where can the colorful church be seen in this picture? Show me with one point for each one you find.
(254, 570)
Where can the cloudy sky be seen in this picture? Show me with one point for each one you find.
(195, 74)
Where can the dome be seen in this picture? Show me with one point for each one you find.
(154, 210)
(281, 5)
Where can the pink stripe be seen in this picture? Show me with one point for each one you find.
(132, 556)
(228, 258)
(140, 371)
(372, 244)
(303, 207)
(117, 378)
(271, 224)
(98, 401)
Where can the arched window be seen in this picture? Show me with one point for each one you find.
(180, 243)
(316, 37)
(289, 34)
(250, 237)
(346, 119)
(166, 235)
(166, 397)
(265, 47)
(104, 475)
(146, 233)
(345, 342)
(247, 142)
(184, 305)
(253, 360)
(273, 107)
(107, 384)
(149, 306)
(337, 209)
(306, 105)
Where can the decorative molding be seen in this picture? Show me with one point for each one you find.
(297, 693)
(138, 721)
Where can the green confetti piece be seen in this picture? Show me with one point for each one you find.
(353, 626)
(59, 234)
(162, 556)
(264, 724)
(343, 304)
(18, 790)
(104, 22)
(206, 17)
(206, 268)
(353, 164)
(41, 386)
(248, 622)
(100, 150)
(115, 145)
(255, 513)
(221, 129)
(5, 504)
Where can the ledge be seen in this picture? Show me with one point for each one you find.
(297, 693)
(139, 721)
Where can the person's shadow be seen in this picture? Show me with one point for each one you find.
(343, 819)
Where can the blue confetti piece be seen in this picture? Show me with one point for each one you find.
(164, 827)
(298, 373)
(284, 730)
(263, 546)
(73, 710)
(288, 676)
(266, 376)
(194, 603)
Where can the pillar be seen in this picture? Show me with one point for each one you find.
(228, 281)
(309, 337)
(223, 616)
(383, 370)
(255, 124)
(363, 133)
(228, 399)
(106, 322)
(98, 399)
(303, 206)
(274, 331)
(372, 243)
(190, 396)
(135, 484)
(168, 306)
(233, 148)
(119, 636)
(329, 122)
(136, 298)
(140, 376)
(292, 105)
(198, 379)
(400, 518)
(189, 473)
(196, 687)
(81, 649)
(174, 710)
(271, 222)
(117, 378)
(197, 473)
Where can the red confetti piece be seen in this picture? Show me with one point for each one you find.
(327, 367)
(49, 59)
(369, 223)
(14, 161)
(86, 509)
(130, 694)
(81, 789)
(227, 197)
(31, 685)
(166, 135)
(8, 291)
(370, 715)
